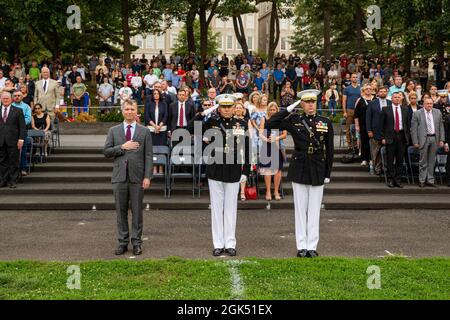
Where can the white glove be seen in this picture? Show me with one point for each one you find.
(327, 180)
(243, 178)
(292, 106)
(208, 111)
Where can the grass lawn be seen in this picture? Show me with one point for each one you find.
(280, 279)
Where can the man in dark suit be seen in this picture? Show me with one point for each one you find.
(181, 112)
(373, 128)
(447, 147)
(395, 129)
(130, 144)
(12, 136)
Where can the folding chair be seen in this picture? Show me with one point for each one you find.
(161, 156)
(38, 137)
(182, 161)
(413, 162)
(342, 132)
(384, 163)
(55, 133)
(441, 161)
(30, 149)
(201, 175)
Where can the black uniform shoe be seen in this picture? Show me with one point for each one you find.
(431, 185)
(137, 250)
(218, 252)
(12, 185)
(391, 185)
(3, 184)
(421, 185)
(121, 250)
(312, 254)
(231, 252)
(302, 253)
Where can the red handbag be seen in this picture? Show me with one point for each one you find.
(250, 193)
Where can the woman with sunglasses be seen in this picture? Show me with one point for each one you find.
(41, 121)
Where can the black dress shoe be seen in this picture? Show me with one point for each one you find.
(231, 252)
(302, 253)
(2, 184)
(312, 254)
(431, 185)
(398, 185)
(391, 185)
(121, 250)
(218, 252)
(12, 185)
(137, 250)
(421, 185)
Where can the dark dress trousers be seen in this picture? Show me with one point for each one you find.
(396, 142)
(11, 132)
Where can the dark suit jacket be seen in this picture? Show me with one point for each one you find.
(14, 128)
(411, 112)
(169, 98)
(149, 114)
(447, 129)
(373, 116)
(189, 111)
(387, 124)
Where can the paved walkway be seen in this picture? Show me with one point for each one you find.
(87, 235)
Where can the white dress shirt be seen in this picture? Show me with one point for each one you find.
(429, 116)
(133, 128)
(399, 115)
(45, 85)
(8, 108)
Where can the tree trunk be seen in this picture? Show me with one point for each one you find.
(240, 34)
(203, 8)
(327, 30)
(203, 41)
(359, 16)
(190, 29)
(126, 31)
(274, 33)
(439, 40)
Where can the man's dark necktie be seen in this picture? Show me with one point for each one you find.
(128, 134)
(397, 120)
(5, 114)
(45, 85)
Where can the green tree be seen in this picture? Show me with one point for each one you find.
(182, 49)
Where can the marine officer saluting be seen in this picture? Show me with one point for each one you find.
(227, 166)
(310, 166)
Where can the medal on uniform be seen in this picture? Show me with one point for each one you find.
(226, 149)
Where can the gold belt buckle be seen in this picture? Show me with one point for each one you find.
(226, 149)
(310, 150)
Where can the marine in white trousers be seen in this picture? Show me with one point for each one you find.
(307, 203)
(223, 197)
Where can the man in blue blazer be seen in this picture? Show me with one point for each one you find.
(373, 127)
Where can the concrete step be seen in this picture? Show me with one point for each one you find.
(180, 187)
(105, 176)
(71, 167)
(94, 150)
(331, 202)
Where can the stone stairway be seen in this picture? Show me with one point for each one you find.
(76, 178)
